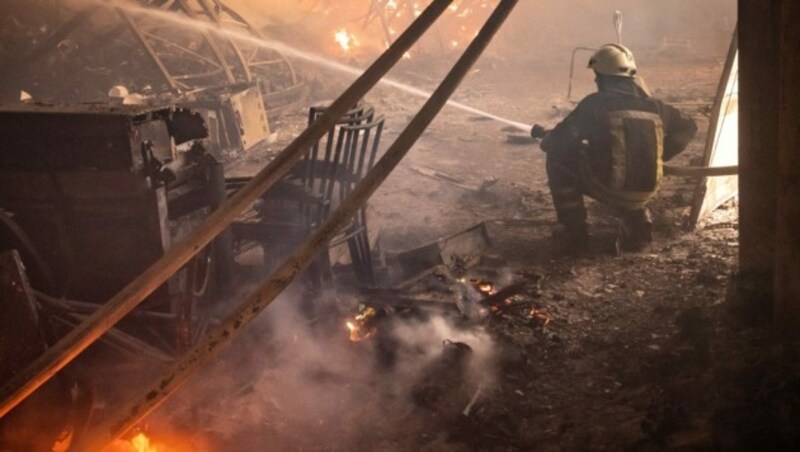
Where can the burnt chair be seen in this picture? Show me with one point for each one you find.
(321, 179)
(353, 155)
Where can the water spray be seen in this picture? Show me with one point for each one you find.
(199, 25)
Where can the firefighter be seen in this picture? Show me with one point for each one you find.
(611, 148)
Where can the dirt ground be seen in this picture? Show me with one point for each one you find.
(641, 351)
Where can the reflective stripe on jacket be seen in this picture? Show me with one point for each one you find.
(621, 137)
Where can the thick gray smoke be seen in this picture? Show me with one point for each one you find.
(296, 382)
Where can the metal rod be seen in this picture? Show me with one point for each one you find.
(71, 345)
(150, 51)
(215, 17)
(162, 387)
(700, 171)
(572, 66)
(257, 33)
(212, 44)
(169, 43)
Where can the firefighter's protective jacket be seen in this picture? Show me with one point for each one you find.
(619, 137)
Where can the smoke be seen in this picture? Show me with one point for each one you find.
(295, 382)
(547, 29)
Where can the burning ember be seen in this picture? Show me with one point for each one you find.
(346, 40)
(539, 316)
(166, 442)
(382, 20)
(139, 443)
(483, 287)
(363, 326)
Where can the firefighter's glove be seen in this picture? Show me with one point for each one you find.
(538, 131)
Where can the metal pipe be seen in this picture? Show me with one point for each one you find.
(572, 66)
(150, 51)
(212, 44)
(209, 10)
(700, 171)
(162, 387)
(71, 345)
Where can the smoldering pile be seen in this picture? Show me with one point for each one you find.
(364, 368)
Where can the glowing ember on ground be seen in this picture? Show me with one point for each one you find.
(484, 287)
(363, 327)
(540, 316)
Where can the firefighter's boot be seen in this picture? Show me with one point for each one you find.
(637, 230)
(571, 237)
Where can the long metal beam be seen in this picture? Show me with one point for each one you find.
(79, 339)
(212, 44)
(163, 386)
(700, 171)
(209, 10)
(149, 48)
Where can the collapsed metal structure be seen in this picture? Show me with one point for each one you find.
(187, 62)
(358, 155)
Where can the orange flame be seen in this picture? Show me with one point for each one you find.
(164, 441)
(141, 443)
(138, 443)
(484, 287)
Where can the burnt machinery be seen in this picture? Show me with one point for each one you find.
(93, 194)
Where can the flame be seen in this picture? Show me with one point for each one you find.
(141, 443)
(346, 40)
(164, 441)
(357, 334)
(465, 19)
(138, 443)
(484, 287)
(363, 326)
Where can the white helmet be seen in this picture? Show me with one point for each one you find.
(613, 59)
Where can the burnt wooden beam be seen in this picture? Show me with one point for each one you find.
(70, 346)
(126, 417)
(787, 234)
(759, 108)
